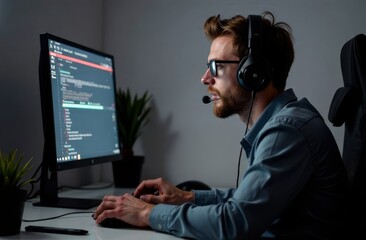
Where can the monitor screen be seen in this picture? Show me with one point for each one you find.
(77, 86)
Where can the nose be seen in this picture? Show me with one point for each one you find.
(207, 79)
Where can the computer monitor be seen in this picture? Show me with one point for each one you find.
(78, 93)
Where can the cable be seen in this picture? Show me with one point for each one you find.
(29, 195)
(238, 173)
(50, 218)
(246, 130)
(34, 195)
(69, 187)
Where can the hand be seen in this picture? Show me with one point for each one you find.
(125, 207)
(160, 191)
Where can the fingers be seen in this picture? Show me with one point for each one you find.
(104, 210)
(148, 187)
(125, 207)
(150, 198)
(160, 191)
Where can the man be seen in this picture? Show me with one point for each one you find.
(295, 181)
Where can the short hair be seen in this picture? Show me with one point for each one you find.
(277, 41)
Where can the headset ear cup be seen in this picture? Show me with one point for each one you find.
(241, 73)
(254, 71)
(253, 77)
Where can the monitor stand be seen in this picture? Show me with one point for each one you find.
(49, 192)
(73, 203)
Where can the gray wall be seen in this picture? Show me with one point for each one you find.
(159, 46)
(21, 22)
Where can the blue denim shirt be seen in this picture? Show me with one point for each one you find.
(293, 186)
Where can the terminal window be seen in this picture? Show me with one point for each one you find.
(83, 103)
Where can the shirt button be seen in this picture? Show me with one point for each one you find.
(160, 226)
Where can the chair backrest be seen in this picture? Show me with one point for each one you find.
(349, 107)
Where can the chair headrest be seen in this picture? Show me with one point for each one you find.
(344, 105)
(353, 63)
(347, 99)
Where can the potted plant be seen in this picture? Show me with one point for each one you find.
(12, 194)
(133, 114)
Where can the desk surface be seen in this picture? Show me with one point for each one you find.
(82, 221)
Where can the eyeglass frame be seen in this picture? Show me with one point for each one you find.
(213, 67)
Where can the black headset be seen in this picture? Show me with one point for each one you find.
(254, 70)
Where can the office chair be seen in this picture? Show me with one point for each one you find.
(349, 107)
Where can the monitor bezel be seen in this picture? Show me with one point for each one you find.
(47, 107)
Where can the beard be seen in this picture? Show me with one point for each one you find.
(234, 101)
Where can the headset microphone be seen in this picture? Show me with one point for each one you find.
(206, 99)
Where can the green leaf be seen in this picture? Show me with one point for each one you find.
(133, 112)
(12, 171)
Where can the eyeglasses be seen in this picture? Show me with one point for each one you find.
(212, 65)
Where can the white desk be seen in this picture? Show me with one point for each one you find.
(82, 221)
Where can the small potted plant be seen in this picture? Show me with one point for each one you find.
(133, 115)
(12, 194)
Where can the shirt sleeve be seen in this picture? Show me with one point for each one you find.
(270, 183)
(207, 197)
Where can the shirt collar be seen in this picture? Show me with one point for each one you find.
(272, 108)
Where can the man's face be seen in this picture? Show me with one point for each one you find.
(228, 96)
